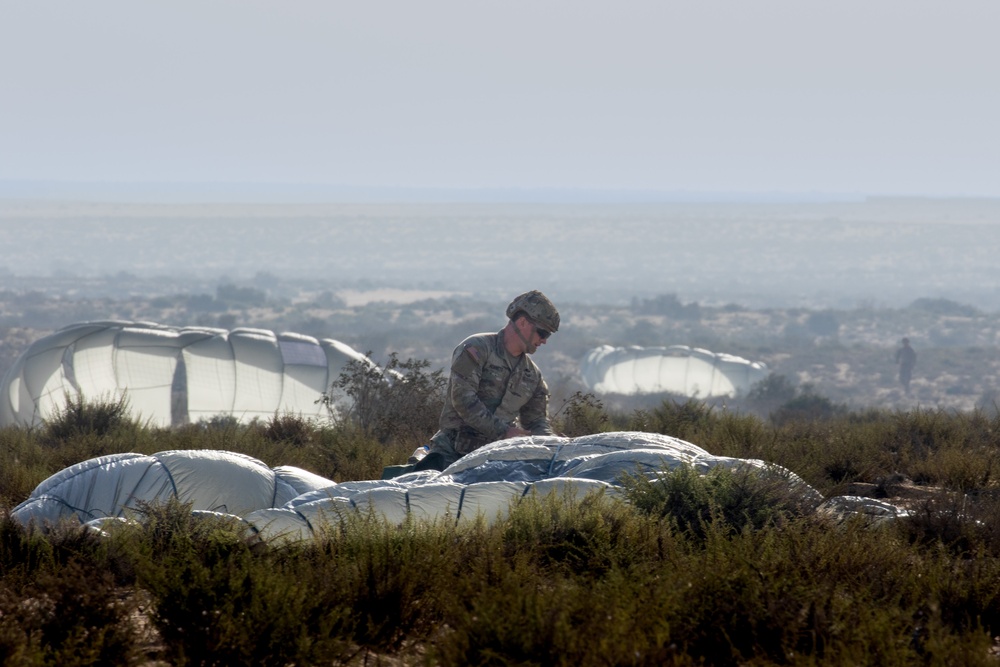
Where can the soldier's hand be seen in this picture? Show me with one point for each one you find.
(514, 432)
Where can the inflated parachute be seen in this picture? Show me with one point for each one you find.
(290, 504)
(677, 369)
(173, 375)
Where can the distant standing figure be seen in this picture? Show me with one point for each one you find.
(907, 359)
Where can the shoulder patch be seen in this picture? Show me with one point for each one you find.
(473, 352)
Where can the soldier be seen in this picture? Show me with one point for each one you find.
(495, 390)
(907, 359)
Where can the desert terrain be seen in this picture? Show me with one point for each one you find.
(820, 292)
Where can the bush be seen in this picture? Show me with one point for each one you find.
(581, 414)
(399, 401)
(68, 616)
(82, 417)
(808, 406)
(63, 601)
(771, 392)
(732, 499)
(291, 429)
(217, 599)
(694, 569)
(685, 420)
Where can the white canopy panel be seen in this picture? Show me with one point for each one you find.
(173, 375)
(677, 369)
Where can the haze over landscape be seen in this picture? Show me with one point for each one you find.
(764, 157)
(878, 252)
(756, 154)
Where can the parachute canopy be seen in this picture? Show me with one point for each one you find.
(292, 504)
(677, 369)
(172, 375)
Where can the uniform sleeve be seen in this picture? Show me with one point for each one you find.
(535, 413)
(466, 373)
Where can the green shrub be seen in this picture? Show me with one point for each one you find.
(808, 406)
(24, 462)
(587, 537)
(733, 498)
(347, 453)
(399, 401)
(771, 392)
(217, 598)
(82, 417)
(390, 579)
(714, 569)
(287, 428)
(581, 414)
(686, 420)
(62, 601)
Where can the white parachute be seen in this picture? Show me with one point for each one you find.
(677, 369)
(287, 503)
(290, 504)
(172, 375)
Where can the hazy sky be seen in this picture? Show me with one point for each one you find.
(854, 96)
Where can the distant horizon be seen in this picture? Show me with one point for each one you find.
(837, 254)
(249, 192)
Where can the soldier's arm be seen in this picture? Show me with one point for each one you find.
(535, 413)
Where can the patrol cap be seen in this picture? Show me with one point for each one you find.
(537, 307)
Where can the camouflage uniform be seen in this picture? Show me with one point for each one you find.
(488, 389)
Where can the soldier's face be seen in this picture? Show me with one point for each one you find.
(536, 336)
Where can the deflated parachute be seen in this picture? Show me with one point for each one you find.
(173, 375)
(677, 369)
(291, 504)
(212, 481)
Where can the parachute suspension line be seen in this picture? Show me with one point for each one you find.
(173, 484)
(552, 461)
(305, 519)
(274, 492)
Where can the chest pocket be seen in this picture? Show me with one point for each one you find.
(519, 391)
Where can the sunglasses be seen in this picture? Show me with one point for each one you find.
(542, 333)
